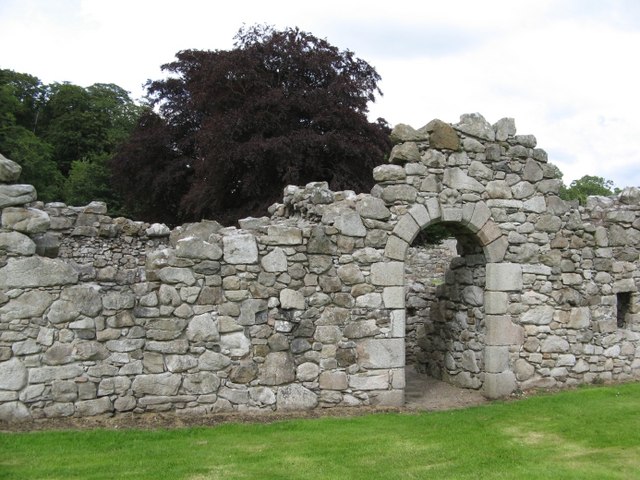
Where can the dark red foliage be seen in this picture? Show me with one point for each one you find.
(235, 127)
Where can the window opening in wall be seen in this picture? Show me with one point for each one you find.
(623, 304)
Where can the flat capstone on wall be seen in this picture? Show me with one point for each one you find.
(325, 302)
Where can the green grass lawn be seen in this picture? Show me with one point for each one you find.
(590, 433)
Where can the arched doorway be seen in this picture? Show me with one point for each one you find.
(467, 337)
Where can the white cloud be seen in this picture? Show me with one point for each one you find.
(564, 69)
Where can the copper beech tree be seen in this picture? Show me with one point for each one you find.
(228, 129)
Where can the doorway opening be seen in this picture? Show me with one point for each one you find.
(444, 296)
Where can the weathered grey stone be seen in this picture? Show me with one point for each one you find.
(175, 275)
(262, 395)
(389, 173)
(14, 412)
(295, 397)
(381, 353)
(369, 381)
(441, 135)
(48, 374)
(165, 328)
(473, 295)
(372, 207)
(405, 133)
(502, 331)
(407, 229)
(495, 303)
(213, 361)
(236, 344)
(457, 179)
(9, 170)
(203, 328)
(404, 153)
(86, 298)
(180, 363)
(542, 315)
(118, 300)
(475, 124)
(399, 193)
(361, 329)
(158, 230)
(535, 204)
(281, 235)
(307, 372)
(579, 318)
(59, 354)
(504, 128)
(554, 343)
(496, 359)
(393, 297)
(240, 249)
(28, 305)
(278, 369)
(532, 171)
(350, 274)
(333, 381)
(26, 220)
(349, 223)
(16, 243)
(275, 261)
(13, 375)
(387, 273)
(179, 346)
(504, 277)
(291, 299)
(396, 248)
(159, 384)
(11, 195)
(498, 385)
(36, 272)
(192, 247)
(329, 334)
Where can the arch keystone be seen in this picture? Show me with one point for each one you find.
(452, 214)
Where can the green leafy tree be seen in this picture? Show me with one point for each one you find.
(231, 128)
(89, 180)
(36, 158)
(63, 135)
(588, 185)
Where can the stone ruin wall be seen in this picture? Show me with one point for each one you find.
(318, 305)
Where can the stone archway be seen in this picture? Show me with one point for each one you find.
(500, 333)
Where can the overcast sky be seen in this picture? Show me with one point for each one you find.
(566, 70)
